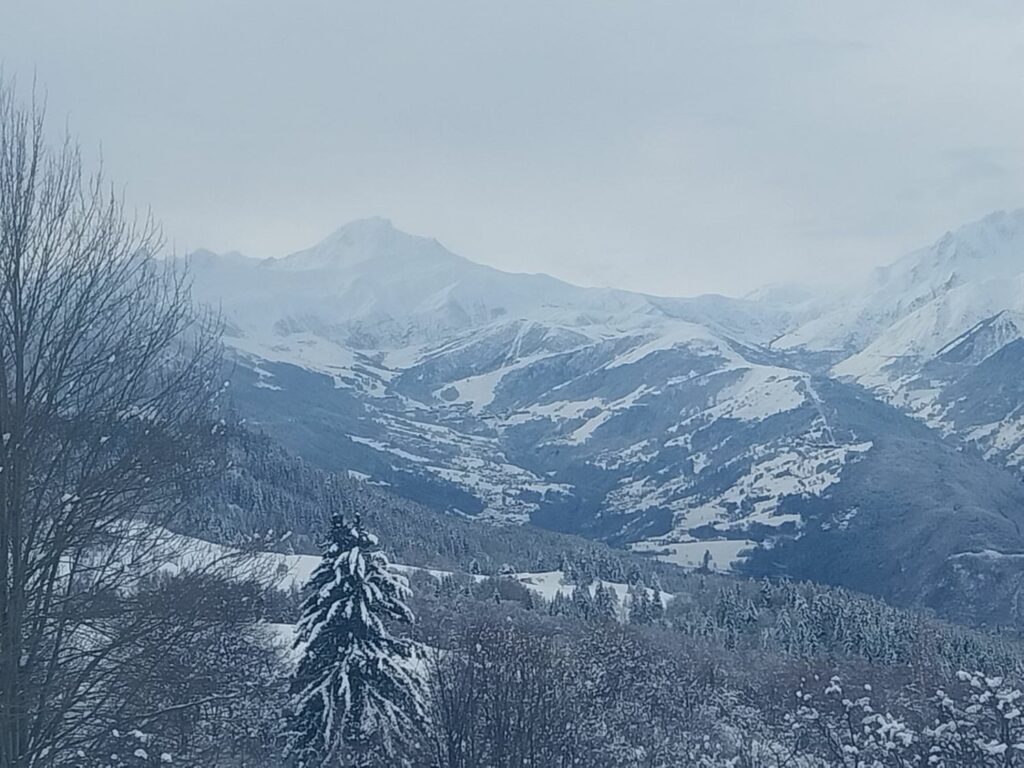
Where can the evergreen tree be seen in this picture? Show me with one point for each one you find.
(606, 603)
(560, 605)
(750, 612)
(635, 575)
(582, 603)
(354, 690)
(584, 570)
(568, 568)
(529, 600)
(706, 562)
(655, 608)
(640, 605)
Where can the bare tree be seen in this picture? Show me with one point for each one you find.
(503, 697)
(107, 381)
(213, 695)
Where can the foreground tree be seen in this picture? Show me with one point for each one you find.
(503, 695)
(214, 697)
(107, 378)
(357, 690)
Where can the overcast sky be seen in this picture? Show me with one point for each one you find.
(671, 147)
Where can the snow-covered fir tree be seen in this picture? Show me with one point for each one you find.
(582, 602)
(640, 605)
(356, 690)
(606, 603)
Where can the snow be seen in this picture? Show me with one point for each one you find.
(282, 635)
(478, 391)
(637, 454)
(432, 572)
(726, 554)
(999, 330)
(264, 381)
(988, 554)
(978, 259)
(925, 332)
(475, 463)
(1007, 437)
(369, 303)
(403, 357)
(762, 392)
(911, 329)
(674, 335)
(549, 584)
(401, 291)
(369, 286)
(755, 498)
(561, 410)
(585, 431)
(287, 572)
(912, 310)
(383, 447)
(794, 473)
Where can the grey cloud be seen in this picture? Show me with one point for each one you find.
(665, 147)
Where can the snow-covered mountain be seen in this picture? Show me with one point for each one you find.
(926, 298)
(373, 288)
(939, 334)
(673, 426)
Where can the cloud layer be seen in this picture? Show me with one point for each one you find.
(668, 147)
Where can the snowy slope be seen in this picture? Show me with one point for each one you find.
(981, 253)
(920, 336)
(291, 572)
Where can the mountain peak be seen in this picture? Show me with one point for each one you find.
(996, 240)
(374, 226)
(1000, 221)
(988, 248)
(366, 240)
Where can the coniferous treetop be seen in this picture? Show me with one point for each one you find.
(356, 686)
